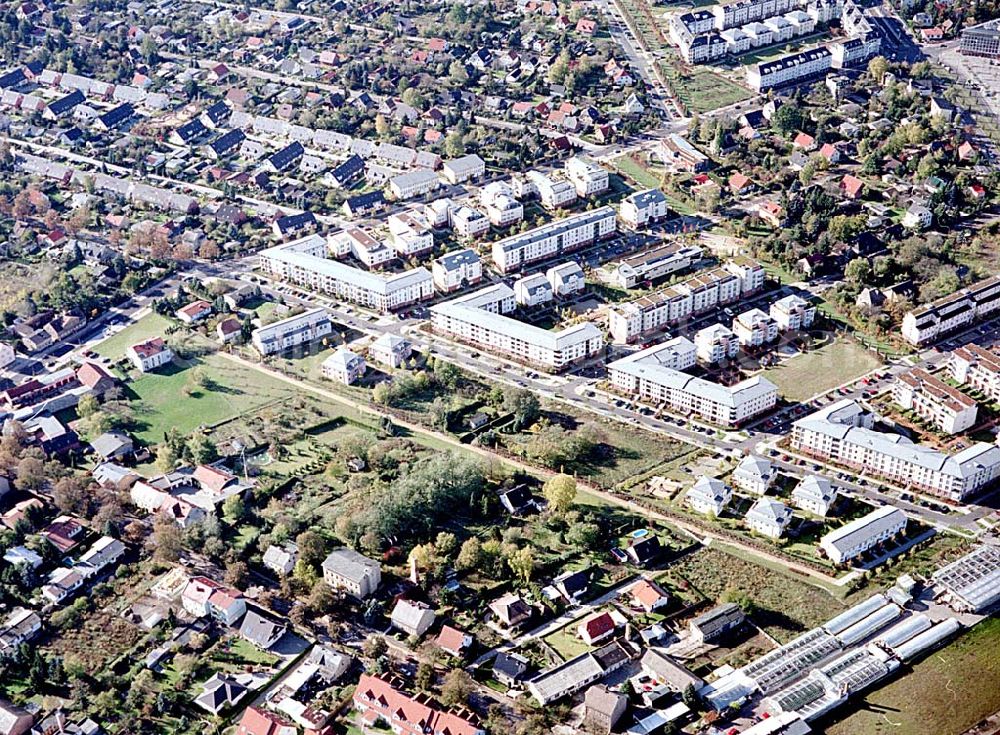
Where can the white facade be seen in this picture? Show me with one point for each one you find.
(466, 168)
(390, 350)
(754, 474)
(643, 207)
(553, 239)
(456, 270)
(588, 177)
(502, 207)
(410, 234)
(345, 569)
(479, 320)
(950, 313)
(754, 328)
(949, 410)
(566, 279)
(413, 184)
(709, 496)
(469, 223)
(296, 330)
(854, 539)
(768, 517)
(842, 433)
(552, 192)
(533, 290)
(716, 343)
(354, 241)
(644, 376)
(978, 368)
(149, 355)
(815, 495)
(304, 262)
(792, 312)
(343, 366)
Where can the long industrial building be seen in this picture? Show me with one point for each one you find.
(304, 262)
(553, 239)
(695, 295)
(960, 309)
(479, 319)
(654, 375)
(842, 433)
(982, 40)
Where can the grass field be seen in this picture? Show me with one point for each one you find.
(946, 693)
(151, 325)
(170, 398)
(566, 642)
(701, 89)
(637, 173)
(803, 376)
(785, 606)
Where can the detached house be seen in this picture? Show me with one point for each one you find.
(150, 355)
(413, 618)
(768, 517)
(205, 597)
(348, 570)
(596, 628)
(754, 474)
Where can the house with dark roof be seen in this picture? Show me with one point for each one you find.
(349, 171)
(573, 585)
(215, 115)
(64, 105)
(220, 693)
(261, 631)
(116, 117)
(643, 551)
(226, 143)
(293, 224)
(517, 500)
(363, 205)
(189, 132)
(285, 158)
(508, 668)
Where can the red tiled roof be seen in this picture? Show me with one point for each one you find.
(803, 140)
(261, 722)
(150, 347)
(90, 374)
(212, 478)
(412, 717)
(451, 639)
(599, 625)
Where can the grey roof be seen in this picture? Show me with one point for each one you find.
(453, 261)
(349, 564)
(220, 692)
(261, 631)
(868, 526)
(111, 443)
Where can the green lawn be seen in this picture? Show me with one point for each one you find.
(700, 88)
(639, 174)
(151, 325)
(170, 399)
(566, 642)
(947, 692)
(803, 376)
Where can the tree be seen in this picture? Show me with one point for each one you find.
(381, 126)
(376, 647)
(454, 144)
(424, 678)
(87, 406)
(524, 405)
(522, 563)
(560, 492)
(456, 689)
(312, 548)
(877, 68)
(237, 574)
(233, 509)
(70, 496)
(166, 539)
(30, 473)
(445, 544)
(787, 119)
(201, 448)
(470, 555)
(691, 698)
(858, 271)
(166, 458)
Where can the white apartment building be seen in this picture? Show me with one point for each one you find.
(478, 319)
(533, 290)
(456, 270)
(768, 517)
(410, 234)
(588, 177)
(792, 313)
(789, 69)
(502, 207)
(390, 350)
(855, 538)
(304, 262)
(978, 368)
(754, 328)
(413, 184)
(552, 192)
(469, 223)
(662, 261)
(716, 343)
(466, 168)
(949, 410)
(692, 296)
(344, 366)
(750, 272)
(553, 239)
(149, 355)
(438, 212)
(842, 433)
(643, 208)
(295, 330)
(373, 253)
(566, 279)
(709, 496)
(646, 376)
(345, 569)
(754, 474)
(928, 322)
(815, 495)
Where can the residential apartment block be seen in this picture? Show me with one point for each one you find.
(653, 264)
(465, 168)
(588, 177)
(863, 534)
(754, 328)
(792, 313)
(716, 343)
(643, 208)
(304, 262)
(478, 319)
(928, 322)
(295, 330)
(695, 295)
(647, 375)
(842, 433)
(346, 569)
(502, 207)
(553, 239)
(949, 410)
(978, 368)
(566, 279)
(456, 270)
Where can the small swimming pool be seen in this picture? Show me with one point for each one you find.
(640, 533)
